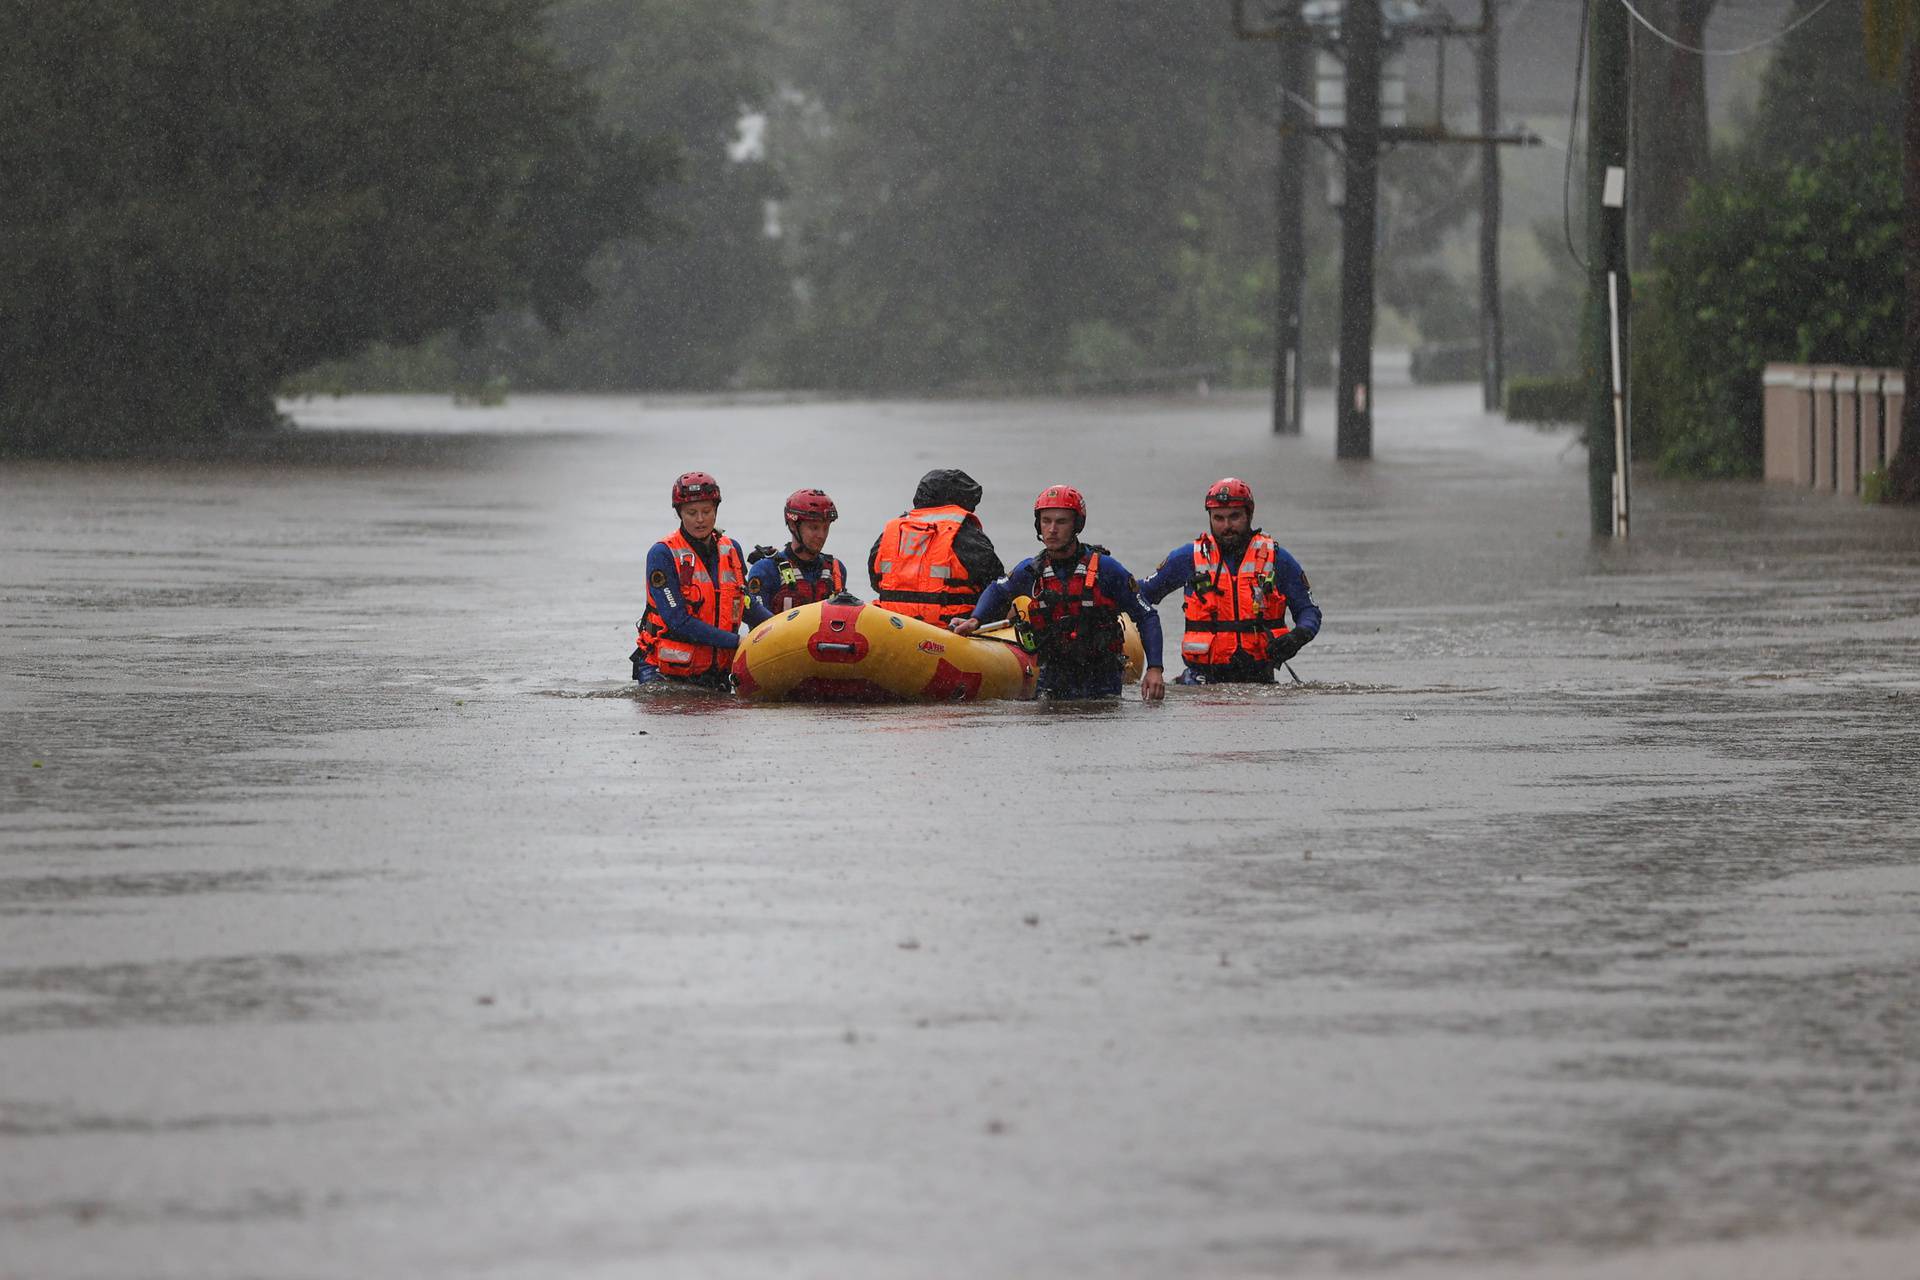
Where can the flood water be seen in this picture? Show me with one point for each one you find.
(357, 919)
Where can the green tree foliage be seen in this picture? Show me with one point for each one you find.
(1542, 316)
(205, 197)
(975, 184)
(1817, 88)
(684, 309)
(1785, 262)
(1891, 29)
(1425, 196)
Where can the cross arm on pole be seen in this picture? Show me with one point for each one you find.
(1429, 133)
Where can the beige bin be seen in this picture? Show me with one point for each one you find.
(1850, 422)
(1825, 442)
(1824, 427)
(1788, 424)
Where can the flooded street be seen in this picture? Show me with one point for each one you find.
(357, 919)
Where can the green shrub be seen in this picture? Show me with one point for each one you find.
(1548, 399)
(489, 393)
(1874, 486)
(1789, 262)
(1097, 349)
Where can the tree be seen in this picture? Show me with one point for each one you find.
(1891, 26)
(1817, 88)
(681, 309)
(204, 198)
(1670, 133)
(1781, 261)
(981, 189)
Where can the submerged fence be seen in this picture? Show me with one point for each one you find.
(1826, 426)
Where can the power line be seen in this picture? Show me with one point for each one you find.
(1573, 123)
(1681, 45)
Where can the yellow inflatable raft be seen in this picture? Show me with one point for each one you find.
(862, 653)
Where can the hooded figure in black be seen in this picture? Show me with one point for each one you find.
(939, 488)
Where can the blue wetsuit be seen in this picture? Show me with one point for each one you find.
(1176, 574)
(1062, 680)
(763, 579)
(663, 589)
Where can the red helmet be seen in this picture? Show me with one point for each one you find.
(695, 486)
(1230, 493)
(1061, 497)
(811, 504)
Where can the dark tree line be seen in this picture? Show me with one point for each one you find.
(203, 198)
(993, 193)
(208, 196)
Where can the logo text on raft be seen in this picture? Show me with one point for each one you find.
(932, 646)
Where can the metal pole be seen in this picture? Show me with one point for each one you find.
(1289, 375)
(1622, 490)
(1361, 25)
(1492, 337)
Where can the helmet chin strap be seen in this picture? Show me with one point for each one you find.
(1065, 553)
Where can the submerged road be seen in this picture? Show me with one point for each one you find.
(357, 919)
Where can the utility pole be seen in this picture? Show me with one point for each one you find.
(1609, 111)
(1360, 32)
(1492, 337)
(1290, 240)
(1349, 123)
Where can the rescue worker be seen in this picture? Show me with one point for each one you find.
(801, 572)
(1239, 586)
(933, 561)
(696, 595)
(1078, 593)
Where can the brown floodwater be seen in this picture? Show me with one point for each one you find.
(358, 919)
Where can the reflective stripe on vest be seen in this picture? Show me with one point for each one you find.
(720, 605)
(918, 572)
(1229, 614)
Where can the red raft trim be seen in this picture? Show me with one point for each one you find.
(838, 637)
(951, 684)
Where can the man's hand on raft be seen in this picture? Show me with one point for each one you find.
(1153, 685)
(964, 626)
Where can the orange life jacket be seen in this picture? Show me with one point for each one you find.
(919, 574)
(720, 604)
(1232, 613)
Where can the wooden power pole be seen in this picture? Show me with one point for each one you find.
(1605, 333)
(1360, 31)
(1492, 336)
(1359, 43)
(1296, 122)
